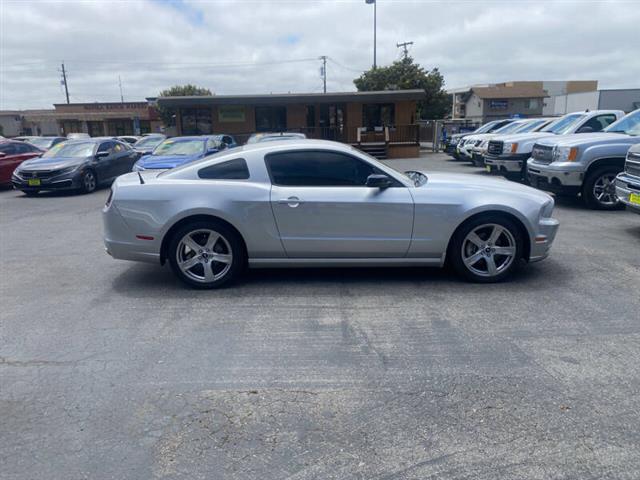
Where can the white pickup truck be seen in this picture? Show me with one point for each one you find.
(508, 154)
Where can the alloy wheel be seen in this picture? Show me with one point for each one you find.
(89, 181)
(604, 189)
(204, 255)
(488, 250)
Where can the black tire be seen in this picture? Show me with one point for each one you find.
(88, 181)
(589, 187)
(231, 243)
(31, 193)
(459, 241)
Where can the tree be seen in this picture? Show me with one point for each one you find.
(168, 114)
(405, 75)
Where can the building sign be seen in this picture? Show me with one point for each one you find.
(115, 106)
(499, 104)
(231, 113)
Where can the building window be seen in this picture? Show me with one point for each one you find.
(271, 119)
(196, 121)
(378, 115)
(311, 116)
(531, 104)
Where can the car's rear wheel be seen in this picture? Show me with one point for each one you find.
(88, 181)
(206, 254)
(487, 249)
(599, 190)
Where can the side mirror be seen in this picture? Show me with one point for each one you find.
(222, 146)
(585, 129)
(100, 155)
(377, 180)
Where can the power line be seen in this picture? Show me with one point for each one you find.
(404, 46)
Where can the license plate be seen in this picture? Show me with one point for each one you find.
(488, 168)
(34, 182)
(634, 198)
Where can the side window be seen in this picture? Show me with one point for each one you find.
(317, 169)
(23, 148)
(118, 147)
(211, 144)
(8, 149)
(227, 140)
(599, 122)
(232, 170)
(105, 147)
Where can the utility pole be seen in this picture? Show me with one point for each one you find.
(64, 81)
(375, 15)
(404, 46)
(120, 84)
(324, 72)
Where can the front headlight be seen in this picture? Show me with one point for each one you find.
(547, 209)
(509, 147)
(67, 170)
(565, 154)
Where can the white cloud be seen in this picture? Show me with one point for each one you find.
(153, 44)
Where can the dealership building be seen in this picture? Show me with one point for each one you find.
(383, 123)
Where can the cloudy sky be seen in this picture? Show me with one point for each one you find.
(251, 46)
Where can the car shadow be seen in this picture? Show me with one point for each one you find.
(150, 281)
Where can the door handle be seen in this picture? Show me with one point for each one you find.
(293, 202)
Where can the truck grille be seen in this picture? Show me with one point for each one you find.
(495, 147)
(632, 168)
(542, 153)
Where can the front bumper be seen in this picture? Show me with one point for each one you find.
(66, 181)
(507, 164)
(625, 186)
(541, 243)
(555, 177)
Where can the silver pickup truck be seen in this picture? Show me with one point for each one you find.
(628, 181)
(508, 154)
(585, 163)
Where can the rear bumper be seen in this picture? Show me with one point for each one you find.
(121, 243)
(625, 186)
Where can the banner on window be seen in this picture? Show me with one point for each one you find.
(230, 113)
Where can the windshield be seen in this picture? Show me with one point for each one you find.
(71, 149)
(564, 124)
(629, 125)
(510, 128)
(41, 142)
(486, 127)
(180, 147)
(150, 142)
(530, 126)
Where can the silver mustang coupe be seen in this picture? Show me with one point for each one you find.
(318, 203)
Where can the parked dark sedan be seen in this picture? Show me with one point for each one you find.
(12, 154)
(82, 164)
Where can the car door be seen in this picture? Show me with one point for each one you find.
(8, 161)
(104, 164)
(597, 123)
(323, 208)
(123, 159)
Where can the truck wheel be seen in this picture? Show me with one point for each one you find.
(599, 190)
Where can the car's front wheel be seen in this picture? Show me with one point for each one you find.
(599, 189)
(206, 254)
(486, 249)
(88, 181)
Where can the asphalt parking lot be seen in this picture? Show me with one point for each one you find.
(114, 370)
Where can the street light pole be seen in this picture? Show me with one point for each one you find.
(375, 15)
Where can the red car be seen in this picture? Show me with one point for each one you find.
(12, 154)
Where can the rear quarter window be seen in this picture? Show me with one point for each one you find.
(235, 169)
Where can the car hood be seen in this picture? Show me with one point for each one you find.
(166, 161)
(578, 139)
(52, 163)
(465, 182)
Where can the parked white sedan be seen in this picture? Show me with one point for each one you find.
(318, 203)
